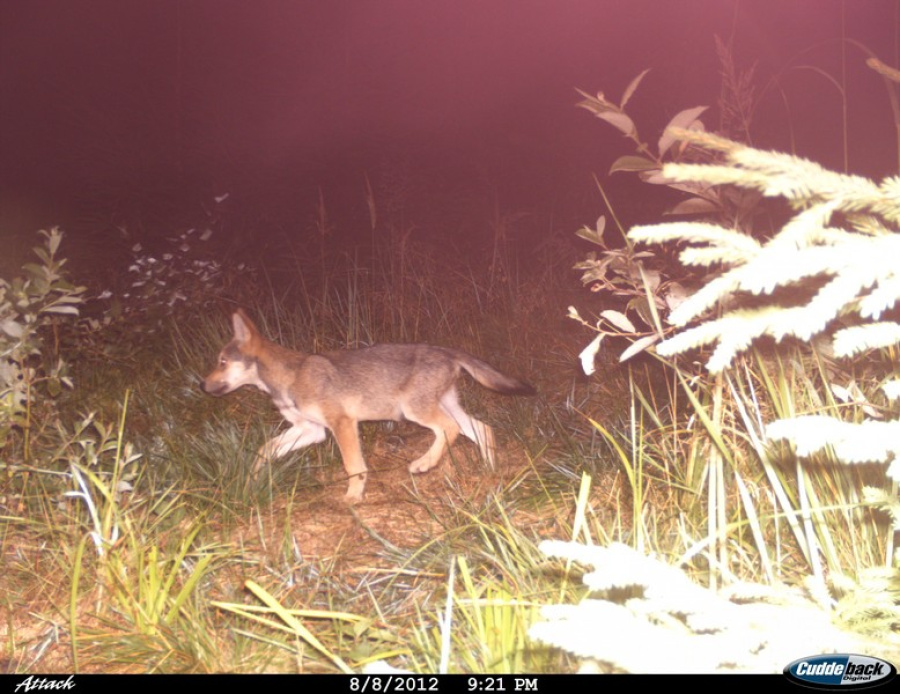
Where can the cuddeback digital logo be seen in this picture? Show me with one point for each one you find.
(840, 671)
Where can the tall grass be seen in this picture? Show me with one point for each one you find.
(170, 559)
(144, 546)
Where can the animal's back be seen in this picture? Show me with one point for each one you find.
(393, 365)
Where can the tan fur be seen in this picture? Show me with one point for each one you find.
(337, 390)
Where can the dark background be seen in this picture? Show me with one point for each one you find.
(117, 110)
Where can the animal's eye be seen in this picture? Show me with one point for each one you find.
(223, 361)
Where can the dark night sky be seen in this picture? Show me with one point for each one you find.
(106, 102)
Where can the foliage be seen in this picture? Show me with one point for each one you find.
(171, 570)
(289, 622)
(831, 266)
(178, 279)
(727, 204)
(640, 275)
(148, 610)
(840, 244)
(824, 279)
(656, 620)
(135, 538)
(29, 306)
(87, 449)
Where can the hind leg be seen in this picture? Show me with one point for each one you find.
(473, 429)
(445, 429)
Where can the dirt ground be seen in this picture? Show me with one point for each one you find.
(401, 512)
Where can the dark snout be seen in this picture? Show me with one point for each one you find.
(214, 386)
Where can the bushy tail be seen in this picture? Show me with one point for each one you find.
(489, 377)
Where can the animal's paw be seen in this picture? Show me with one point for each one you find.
(423, 464)
(355, 491)
(352, 498)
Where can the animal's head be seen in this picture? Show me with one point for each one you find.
(237, 364)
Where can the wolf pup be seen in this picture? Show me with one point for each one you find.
(337, 390)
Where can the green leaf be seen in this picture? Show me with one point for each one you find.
(638, 346)
(619, 121)
(632, 86)
(593, 235)
(12, 328)
(619, 319)
(53, 240)
(34, 270)
(632, 162)
(588, 353)
(66, 310)
(683, 120)
(694, 206)
(42, 254)
(640, 305)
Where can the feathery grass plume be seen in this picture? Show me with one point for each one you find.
(864, 442)
(870, 606)
(737, 97)
(891, 389)
(672, 625)
(854, 263)
(849, 342)
(841, 244)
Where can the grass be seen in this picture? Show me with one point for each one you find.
(133, 539)
(176, 561)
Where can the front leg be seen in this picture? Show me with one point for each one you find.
(298, 436)
(346, 432)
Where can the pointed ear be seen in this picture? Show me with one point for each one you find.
(244, 329)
